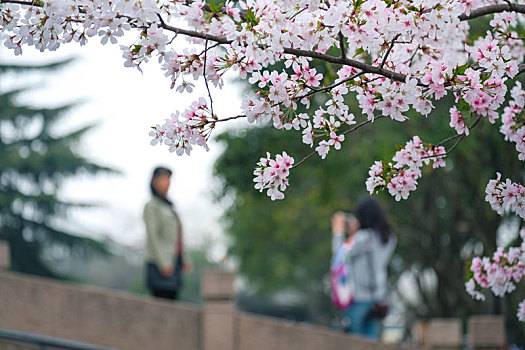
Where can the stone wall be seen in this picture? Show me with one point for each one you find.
(124, 321)
(95, 316)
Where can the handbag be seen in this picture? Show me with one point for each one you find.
(340, 281)
(156, 281)
(379, 310)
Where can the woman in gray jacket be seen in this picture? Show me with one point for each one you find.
(367, 260)
(163, 239)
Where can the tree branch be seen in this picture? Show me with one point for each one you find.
(491, 9)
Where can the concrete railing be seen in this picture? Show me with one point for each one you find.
(95, 316)
(120, 320)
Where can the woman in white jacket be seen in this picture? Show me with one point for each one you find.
(373, 245)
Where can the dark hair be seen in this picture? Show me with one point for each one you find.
(159, 171)
(371, 215)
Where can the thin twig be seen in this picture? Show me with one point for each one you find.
(448, 139)
(342, 45)
(459, 139)
(462, 136)
(223, 120)
(304, 159)
(368, 121)
(329, 87)
(205, 78)
(414, 55)
(343, 133)
(388, 51)
(326, 88)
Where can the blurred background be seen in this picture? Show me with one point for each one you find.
(75, 164)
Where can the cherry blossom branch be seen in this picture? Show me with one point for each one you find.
(521, 69)
(367, 68)
(491, 9)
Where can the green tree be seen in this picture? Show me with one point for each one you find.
(35, 159)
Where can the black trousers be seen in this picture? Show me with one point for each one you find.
(165, 294)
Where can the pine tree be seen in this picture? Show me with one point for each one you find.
(34, 160)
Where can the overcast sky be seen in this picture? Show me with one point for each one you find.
(126, 104)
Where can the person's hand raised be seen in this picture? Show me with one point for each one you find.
(338, 223)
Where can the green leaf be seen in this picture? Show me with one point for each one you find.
(359, 51)
(215, 8)
(250, 17)
(463, 106)
(460, 70)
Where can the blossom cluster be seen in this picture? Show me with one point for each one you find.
(400, 176)
(506, 196)
(513, 120)
(417, 48)
(272, 174)
(419, 40)
(500, 274)
(184, 130)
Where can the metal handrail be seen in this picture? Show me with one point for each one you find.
(44, 341)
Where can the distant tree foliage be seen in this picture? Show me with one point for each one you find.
(34, 160)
